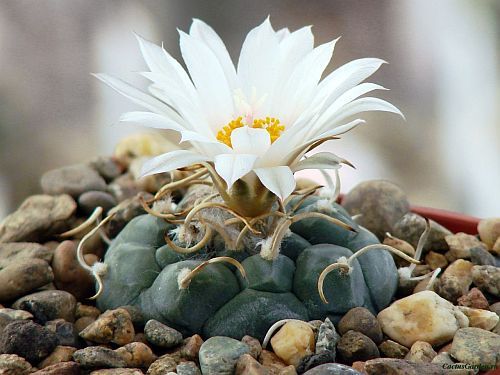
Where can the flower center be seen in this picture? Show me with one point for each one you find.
(271, 124)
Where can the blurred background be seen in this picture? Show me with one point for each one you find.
(444, 74)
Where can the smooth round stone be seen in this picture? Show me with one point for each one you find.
(381, 204)
(38, 218)
(218, 355)
(476, 346)
(161, 335)
(489, 231)
(23, 277)
(481, 257)
(361, 320)
(28, 340)
(332, 369)
(49, 305)
(73, 180)
(293, 342)
(15, 252)
(107, 167)
(90, 200)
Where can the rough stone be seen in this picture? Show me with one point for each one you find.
(113, 326)
(38, 218)
(137, 354)
(191, 348)
(188, 368)
(253, 345)
(12, 364)
(49, 305)
(98, 356)
(381, 203)
(293, 342)
(476, 346)
(411, 226)
(479, 318)
(90, 200)
(314, 360)
(20, 278)
(332, 369)
(218, 355)
(327, 338)
(166, 363)
(423, 316)
(248, 365)
(69, 275)
(360, 319)
(487, 278)
(59, 354)
(392, 349)
(271, 361)
(460, 244)
(456, 280)
(355, 346)
(443, 358)
(161, 335)
(28, 340)
(436, 260)
(474, 299)
(72, 180)
(65, 331)
(62, 368)
(421, 352)
(15, 252)
(385, 366)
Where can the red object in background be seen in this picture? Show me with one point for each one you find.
(453, 221)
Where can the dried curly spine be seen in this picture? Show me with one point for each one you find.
(87, 223)
(421, 243)
(344, 267)
(186, 279)
(193, 249)
(307, 215)
(179, 184)
(277, 325)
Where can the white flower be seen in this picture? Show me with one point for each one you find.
(255, 121)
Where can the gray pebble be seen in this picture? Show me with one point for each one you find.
(90, 200)
(73, 180)
(188, 368)
(98, 356)
(332, 369)
(476, 346)
(161, 335)
(482, 257)
(327, 338)
(218, 355)
(108, 168)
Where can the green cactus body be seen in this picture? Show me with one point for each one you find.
(143, 271)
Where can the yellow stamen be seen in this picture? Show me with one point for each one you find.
(271, 124)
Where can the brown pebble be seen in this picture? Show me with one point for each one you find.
(117, 371)
(456, 280)
(137, 354)
(253, 344)
(361, 320)
(86, 310)
(475, 299)
(248, 365)
(271, 360)
(436, 260)
(60, 354)
(392, 349)
(355, 346)
(83, 323)
(421, 352)
(359, 366)
(62, 368)
(191, 347)
(166, 363)
(113, 326)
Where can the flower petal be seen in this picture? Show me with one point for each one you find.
(247, 140)
(138, 96)
(278, 180)
(170, 161)
(321, 160)
(204, 32)
(232, 167)
(365, 105)
(209, 79)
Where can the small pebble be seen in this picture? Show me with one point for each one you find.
(481, 257)
(28, 340)
(360, 319)
(327, 339)
(293, 342)
(72, 180)
(161, 335)
(12, 364)
(270, 360)
(83, 323)
(38, 218)
(188, 368)
(86, 310)
(23, 277)
(423, 316)
(107, 167)
(15, 252)
(164, 364)
(479, 318)
(436, 260)
(65, 331)
(218, 355)
(332, 369)
(113, 326)
(489, 231)
(476, 346)
(98, 356)
(460, 244)
(314, 360)
(137, 354)
(456, 280)
(475, 299)
(442, 358)
(355, 346)
(401, 245)
(392, 349)
(487, 278)
(248, 365)
(383, 366)
(15, 314)
(191, 348)
(253, 344)
(62, 368)
(60, 354)
(49, 305)
(90, 200)
(421, 352)
(117, 371)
